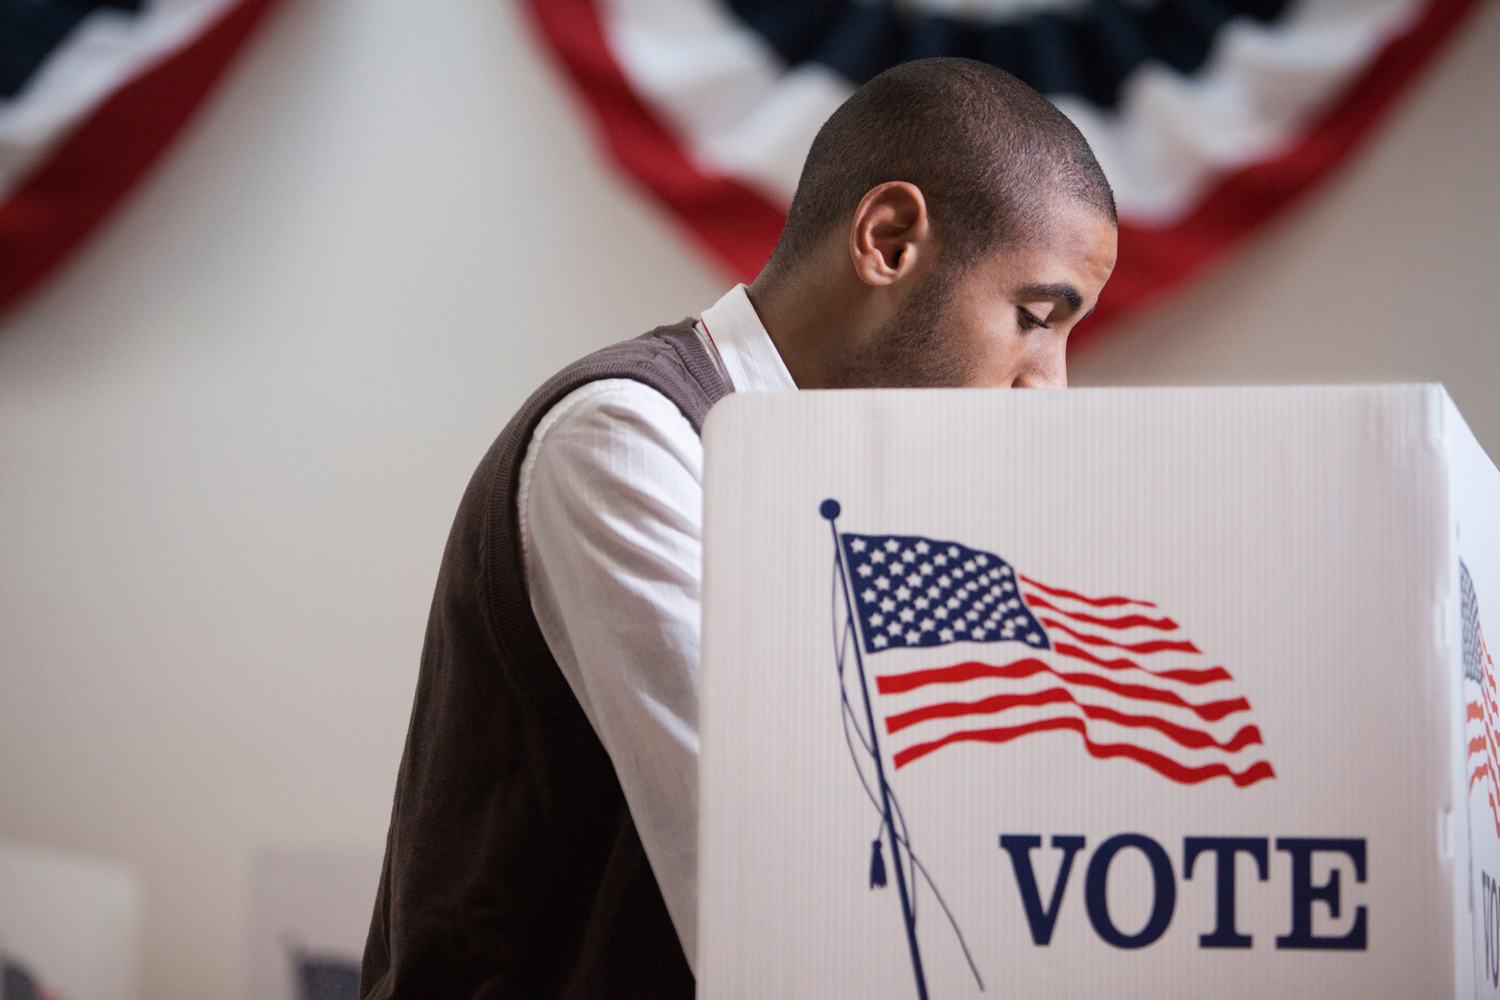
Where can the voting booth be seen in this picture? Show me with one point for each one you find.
(1103, 693)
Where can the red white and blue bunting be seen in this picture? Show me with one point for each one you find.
(91, 92)
(1208, 116)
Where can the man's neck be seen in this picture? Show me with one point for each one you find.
(812, 316)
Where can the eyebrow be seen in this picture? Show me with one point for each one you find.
(1061, 290)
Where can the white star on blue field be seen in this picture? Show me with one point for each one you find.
(912, 592)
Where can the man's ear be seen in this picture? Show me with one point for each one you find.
(890, 233)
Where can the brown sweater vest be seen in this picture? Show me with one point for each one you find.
(512, 866)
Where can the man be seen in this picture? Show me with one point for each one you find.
(949, 228)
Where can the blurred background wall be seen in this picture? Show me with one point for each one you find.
(233, 430)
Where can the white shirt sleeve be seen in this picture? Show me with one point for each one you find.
(610, 504)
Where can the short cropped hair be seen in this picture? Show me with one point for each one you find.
(989, 153)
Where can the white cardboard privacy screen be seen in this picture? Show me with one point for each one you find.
(1174, 693)
(69, 925)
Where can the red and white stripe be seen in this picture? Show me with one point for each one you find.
(1483, 725)
(97, 114)
(1121, 675)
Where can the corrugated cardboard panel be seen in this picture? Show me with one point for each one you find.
(1474, 602)
(1299, 539)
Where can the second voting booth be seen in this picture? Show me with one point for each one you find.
(1104, 693)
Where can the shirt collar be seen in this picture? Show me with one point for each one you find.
(750, 358)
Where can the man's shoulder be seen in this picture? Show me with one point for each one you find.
(669, 361)
(610, 407)
(671, 351)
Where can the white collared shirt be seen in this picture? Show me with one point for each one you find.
(610, 505)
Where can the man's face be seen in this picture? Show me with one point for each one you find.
(1004, 321)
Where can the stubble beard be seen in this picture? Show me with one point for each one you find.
(914, 349)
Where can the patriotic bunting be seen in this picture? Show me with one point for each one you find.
(1208, 116)
(91, 92)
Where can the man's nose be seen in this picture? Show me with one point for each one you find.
(1046, 371)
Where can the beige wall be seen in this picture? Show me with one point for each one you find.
(233, 432)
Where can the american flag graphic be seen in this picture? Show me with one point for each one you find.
(1113, 669)
(1479, 671)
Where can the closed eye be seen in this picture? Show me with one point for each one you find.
(1028, 320)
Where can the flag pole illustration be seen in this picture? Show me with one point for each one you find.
(830, 510)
